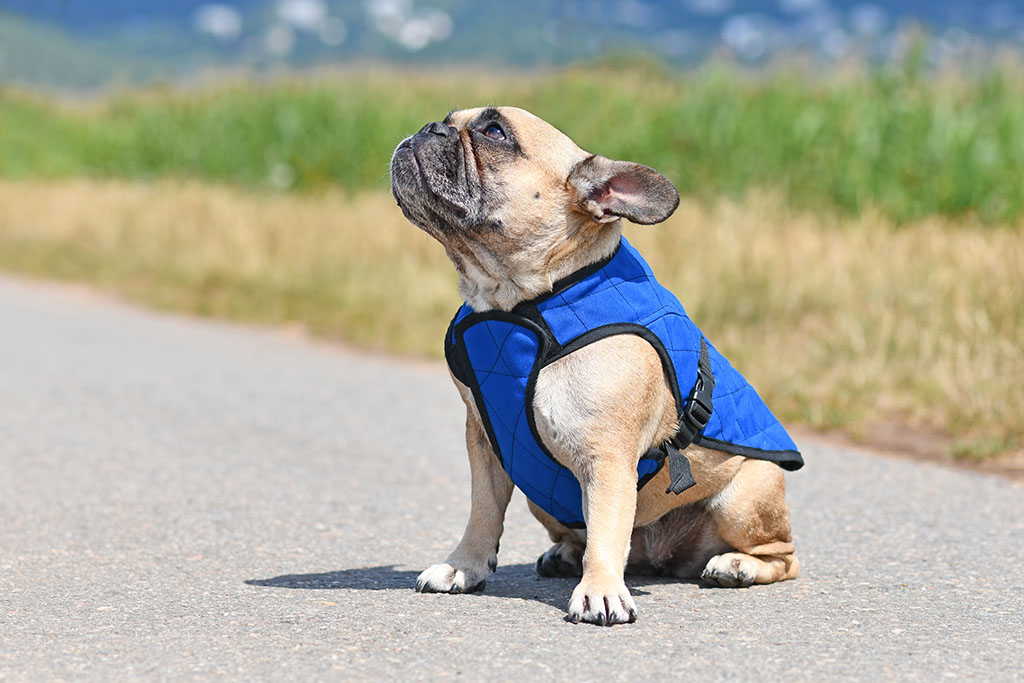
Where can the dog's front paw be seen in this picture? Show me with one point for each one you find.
(444, 578)
(561, 560)
(730, 570)
(602, 602)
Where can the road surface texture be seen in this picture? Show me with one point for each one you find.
(186, 499)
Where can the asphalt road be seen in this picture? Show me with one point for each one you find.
(190, 499)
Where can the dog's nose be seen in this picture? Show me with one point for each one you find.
(438, 128)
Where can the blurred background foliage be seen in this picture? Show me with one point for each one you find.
(891, 140)
(851, 227)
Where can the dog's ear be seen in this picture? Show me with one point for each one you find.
(606, 189)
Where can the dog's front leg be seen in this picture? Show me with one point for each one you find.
(609, 507)
(476, 555)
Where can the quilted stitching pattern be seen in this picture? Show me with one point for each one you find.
(626, 291)
(740, 416)
(492, 345)
(503, 354)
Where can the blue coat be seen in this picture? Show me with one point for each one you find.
(498, 355)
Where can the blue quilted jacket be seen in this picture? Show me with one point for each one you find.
(498, 355)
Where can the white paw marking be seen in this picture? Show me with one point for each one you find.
(444, 578)
(731, 570)
(602, 602)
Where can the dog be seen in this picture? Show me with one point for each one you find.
(638, 447)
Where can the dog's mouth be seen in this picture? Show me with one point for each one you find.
(430, 183)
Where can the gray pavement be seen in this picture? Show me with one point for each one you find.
(184, 499)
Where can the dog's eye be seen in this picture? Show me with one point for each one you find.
(494, 132)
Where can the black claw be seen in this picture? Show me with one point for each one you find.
(493, 564)
(630, 612)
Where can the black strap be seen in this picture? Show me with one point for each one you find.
(680, 476)
(692, 422)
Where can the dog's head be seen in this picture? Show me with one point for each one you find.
(516, 203)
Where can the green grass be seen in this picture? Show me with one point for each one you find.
(893, 142)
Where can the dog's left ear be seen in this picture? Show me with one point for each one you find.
(606, 189)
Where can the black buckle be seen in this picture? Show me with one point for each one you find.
(691, 423)
(697, 411)
(686, 434)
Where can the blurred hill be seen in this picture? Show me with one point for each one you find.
(79, 45)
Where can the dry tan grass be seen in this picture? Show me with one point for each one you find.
(856, 324)
(846, 323)
(348, 267)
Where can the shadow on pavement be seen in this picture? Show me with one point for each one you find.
(382, 578)
(511, 581)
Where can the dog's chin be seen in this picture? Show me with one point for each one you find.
(431, 213)
(423, 210)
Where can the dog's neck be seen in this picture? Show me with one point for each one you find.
(487, 282)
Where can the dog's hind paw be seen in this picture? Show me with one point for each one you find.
(562, 560)
(730, 570)
(444, 578)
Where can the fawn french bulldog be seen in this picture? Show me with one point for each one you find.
(639, 448)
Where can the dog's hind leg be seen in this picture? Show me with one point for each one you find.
(565, 558)
(476, 555)
(751, 515)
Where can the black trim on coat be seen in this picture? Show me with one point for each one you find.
(471, 380)
(457, 362)
(612, 329)
(787, 460)
(569, 280)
